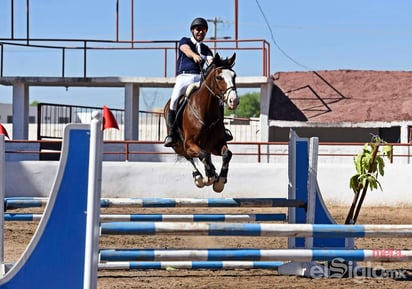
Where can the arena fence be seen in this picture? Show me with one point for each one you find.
(51, 119)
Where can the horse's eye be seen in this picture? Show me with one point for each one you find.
(219, 77)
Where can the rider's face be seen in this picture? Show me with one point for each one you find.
(199, 33)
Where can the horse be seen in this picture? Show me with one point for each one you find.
(200, 122)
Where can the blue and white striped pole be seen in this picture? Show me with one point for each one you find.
(237, 229)
(298, 255)
(191, 265)
(26, 202)
(164, 217)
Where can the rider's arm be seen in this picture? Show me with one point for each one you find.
(185, 48)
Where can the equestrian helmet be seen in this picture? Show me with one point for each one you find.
(199, 22)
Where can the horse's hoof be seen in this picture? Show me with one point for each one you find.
(199, 181)
(209, 180)
(219, 185)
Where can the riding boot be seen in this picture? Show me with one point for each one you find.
(228, 134)
(171, 125)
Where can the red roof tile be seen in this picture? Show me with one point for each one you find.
(342, 96)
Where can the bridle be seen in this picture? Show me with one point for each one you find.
(221, 95)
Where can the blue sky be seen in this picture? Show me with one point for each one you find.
(303, 35)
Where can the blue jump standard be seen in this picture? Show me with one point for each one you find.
(45, 263)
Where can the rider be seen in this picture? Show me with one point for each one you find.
(192, 56)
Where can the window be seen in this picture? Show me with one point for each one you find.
(63, 119)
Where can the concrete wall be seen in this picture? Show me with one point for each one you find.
(149, 179)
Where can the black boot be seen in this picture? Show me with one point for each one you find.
(171, 124)
(228, 134)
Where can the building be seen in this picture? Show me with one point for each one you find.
(342, 105)
(6, 113)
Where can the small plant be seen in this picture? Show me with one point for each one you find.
(369, 165)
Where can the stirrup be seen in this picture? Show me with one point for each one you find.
(169, 141)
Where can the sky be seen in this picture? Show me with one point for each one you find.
(303, 35)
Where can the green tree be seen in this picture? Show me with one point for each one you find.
(249, 105)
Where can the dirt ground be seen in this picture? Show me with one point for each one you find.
(18, 234)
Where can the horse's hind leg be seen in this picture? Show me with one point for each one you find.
(220, 183)
(197, 175)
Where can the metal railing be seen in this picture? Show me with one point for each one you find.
(89, 48)
(168, 48)
(51, 119)
(249, 152)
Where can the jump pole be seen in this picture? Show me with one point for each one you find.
(221, 254)
(164, 217)
(190, 265)
(245, 229)
(26, 202)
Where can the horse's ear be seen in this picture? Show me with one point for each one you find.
(231, 60)
(217, 60)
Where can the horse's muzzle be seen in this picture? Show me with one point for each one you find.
(232, 100)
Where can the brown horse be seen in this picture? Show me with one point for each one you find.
(200, 122)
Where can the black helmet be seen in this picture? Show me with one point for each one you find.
(199, 22)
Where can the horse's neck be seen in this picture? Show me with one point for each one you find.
(209, 87)
(204, 98)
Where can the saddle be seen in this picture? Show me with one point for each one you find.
(191, 88)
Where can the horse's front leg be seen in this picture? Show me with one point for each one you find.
(197, 175)
(210, 169)
(193, 150)
(219, 185)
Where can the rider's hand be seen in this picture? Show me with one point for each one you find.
(197, 58)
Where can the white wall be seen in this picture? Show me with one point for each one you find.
(136, 179)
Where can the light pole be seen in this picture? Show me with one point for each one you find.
(215, 21)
